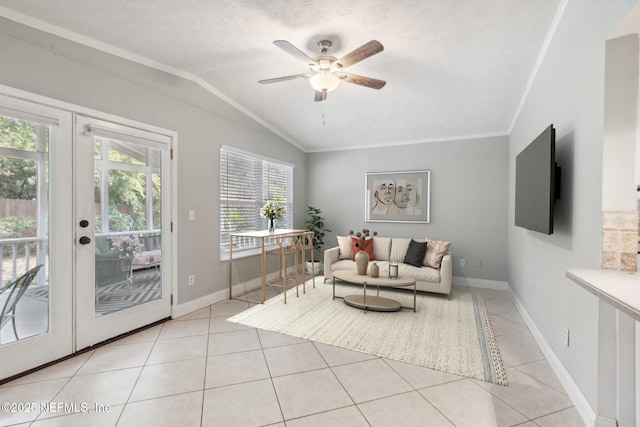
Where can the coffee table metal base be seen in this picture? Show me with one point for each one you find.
(373, 303)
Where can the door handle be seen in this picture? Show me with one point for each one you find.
(84, 240)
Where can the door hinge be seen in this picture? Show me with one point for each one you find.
(171, 153)
(171, 228)
(171, 299)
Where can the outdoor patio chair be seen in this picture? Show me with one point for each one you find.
(12, 294)
(111, 270)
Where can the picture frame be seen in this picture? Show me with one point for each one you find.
(402, 196)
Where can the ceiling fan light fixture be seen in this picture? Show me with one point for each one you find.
(324, 81)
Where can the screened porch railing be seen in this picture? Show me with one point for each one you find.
(18, 253)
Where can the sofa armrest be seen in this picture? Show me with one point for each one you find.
(446, 273)
(331, 256)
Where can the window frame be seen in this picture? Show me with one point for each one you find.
(264, 170)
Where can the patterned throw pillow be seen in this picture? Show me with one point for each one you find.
(436, 250)
(368, 247)
(346, 251)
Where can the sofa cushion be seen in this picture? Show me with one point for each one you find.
(346, 252)
(343, 264)
(382, 248)
(399, 249)
(436, 250)
(415, 253)
(421, 274)
(368, 247)
(102, 245)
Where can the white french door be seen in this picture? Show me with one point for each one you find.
(35, 229)
(121, 218)
(90, 201)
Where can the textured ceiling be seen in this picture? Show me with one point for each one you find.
(454, 69)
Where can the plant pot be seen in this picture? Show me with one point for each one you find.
(315, 269)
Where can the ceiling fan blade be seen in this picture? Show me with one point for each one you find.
(294, 51)
(362, 81)
(320, 96)
(363, 52)
(285, 78)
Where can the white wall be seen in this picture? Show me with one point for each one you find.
(468, 197)
(37, 62)
(569, 92)
(620, 124)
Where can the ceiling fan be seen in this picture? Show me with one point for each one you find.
(326, 70)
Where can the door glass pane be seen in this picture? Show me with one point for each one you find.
(128, 230)
(24, 228)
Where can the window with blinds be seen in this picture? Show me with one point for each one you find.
(247, 182)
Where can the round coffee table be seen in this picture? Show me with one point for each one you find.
(370, 302)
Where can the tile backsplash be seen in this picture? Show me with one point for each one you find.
(620, 240)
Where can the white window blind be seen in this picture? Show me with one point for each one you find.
(247, 181)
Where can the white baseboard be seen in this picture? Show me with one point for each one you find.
(573, 391)
(479, 283)
(223, 294)
(180, 310)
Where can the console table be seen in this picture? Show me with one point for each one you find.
(262, 235)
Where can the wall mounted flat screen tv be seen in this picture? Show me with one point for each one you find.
(537, 183)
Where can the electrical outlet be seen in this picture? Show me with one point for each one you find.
(462, 262)
(192, 280)
(192, 215)
(566, 337)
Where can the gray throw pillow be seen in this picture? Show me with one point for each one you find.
(415, 253)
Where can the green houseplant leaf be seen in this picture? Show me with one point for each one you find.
(315, 223)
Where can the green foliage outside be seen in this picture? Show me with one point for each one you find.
(18, 181)
(17, 176)
(13, 227)
(127, 196)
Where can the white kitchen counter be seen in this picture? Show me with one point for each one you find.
(618, 288)
(618, 371)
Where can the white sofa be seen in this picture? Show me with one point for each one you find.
(428, 279)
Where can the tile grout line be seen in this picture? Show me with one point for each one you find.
(206, 364)
(126, 403)
(273, 385)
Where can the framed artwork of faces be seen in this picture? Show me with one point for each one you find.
(398, 196)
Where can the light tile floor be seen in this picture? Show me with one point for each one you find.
(200, 370)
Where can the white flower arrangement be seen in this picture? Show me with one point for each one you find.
(128, 247)
(272, 210)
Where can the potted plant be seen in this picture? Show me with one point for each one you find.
(315, 223)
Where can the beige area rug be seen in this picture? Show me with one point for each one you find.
(447, 335)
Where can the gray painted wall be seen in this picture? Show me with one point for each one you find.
(569, 92)
(468, 197)
(53, 67)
